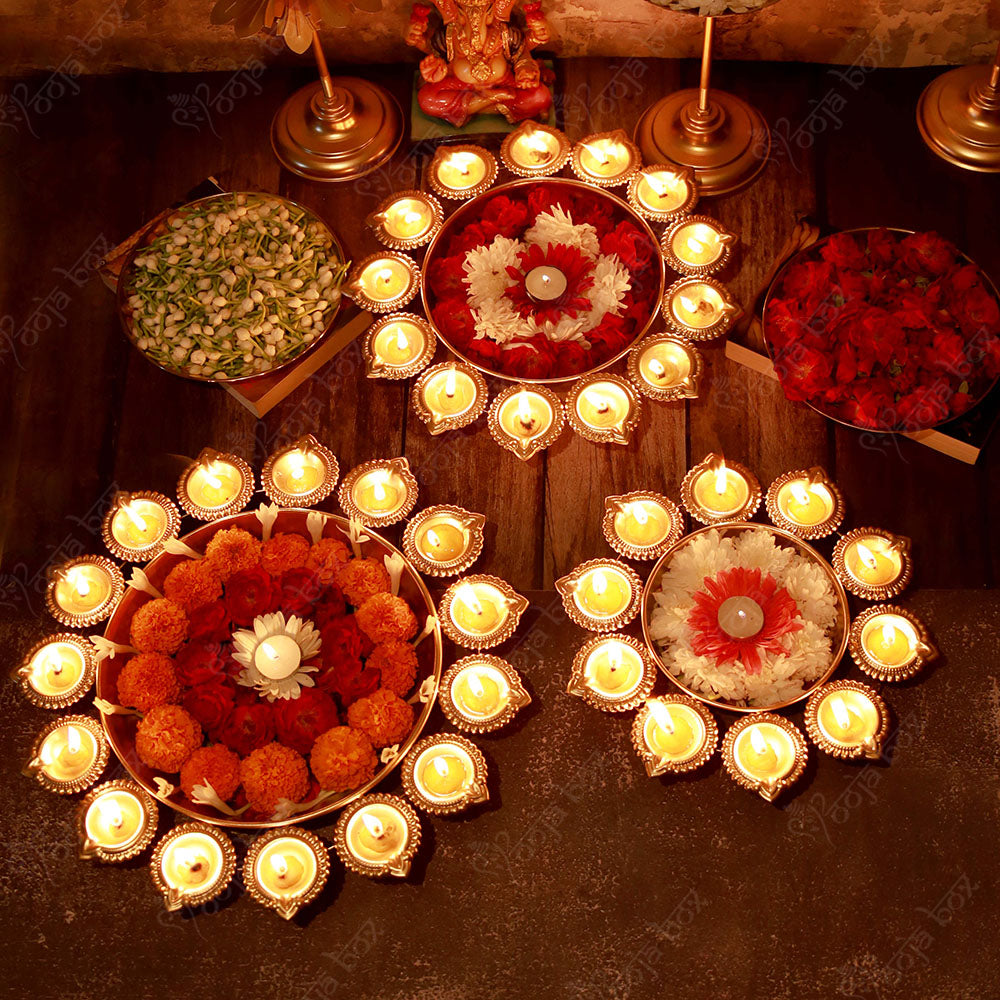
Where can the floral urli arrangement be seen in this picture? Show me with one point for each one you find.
(885, 331)
(238, 738)
(479, 300)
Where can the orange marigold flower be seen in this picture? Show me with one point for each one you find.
(284, 551)
(231, 550)
(217, 765)
(148, 680)
(159, 626)
(397, 663)
(385, 616)
(342, 758)
(166, 737)
(192, 584)
(274, 772)
(383, 716)
(326, 559)
(361, 579)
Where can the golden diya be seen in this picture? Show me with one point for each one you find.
(449, 395)
(406, 220)
(379, 492)
(215, 485)
(606, 159)
(535, 150)
(137, 524)
(301, 474)
(847, 719)
(443, 540)
(480, 611)
(873, 564)
(378, 835)
(286, 869)
(697, 245)
(192, 864)
(58, 670)
(481, 693)
(719, 492)
(699, 308)
(604, 409)
(665, 367)
(445, 774)
(601, 595)
(384, 282)
(764, 753)
(890, 643)
(663, 192)
(398, 346)
(116, 821)
(462, 171)
(526, 420)
(612, 672)
(673, 733)
(642, 524)
(84, 591)
(69, 754)
(805, 502)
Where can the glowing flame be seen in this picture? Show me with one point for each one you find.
(524, 408)
(840, 711)
(188, 858)
(720, 478)
(601, 152)
(433, 539)
(269, 650)
(758, 741)
(385, 275)
(888, 633)
(450, 383)
(476, 684)
(695, 245)
(656, 367)
(110, 813)
(661, 715)
(402, 341)
(799, 492)
(279, 864)
(467, 595)
(211, 478)
(866, 555)
(598, 582)
(597, 400)
(378, 487)
(441, 766)
(134, 516)
(373, 825)
(75, 578)
(614, 656)
(462, 162)
(73, 741)
(655, 182)
(411, 218)
(297, 461)
(639, 512)
(688, 304)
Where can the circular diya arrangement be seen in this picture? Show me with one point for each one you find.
(543, 281)
(746, 618)
(270, 667)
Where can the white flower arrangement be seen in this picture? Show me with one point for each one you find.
(245, 645)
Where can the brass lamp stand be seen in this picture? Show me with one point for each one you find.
(959, 116)
(722, 138)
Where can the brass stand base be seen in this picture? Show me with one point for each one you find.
(340, 135)
(727, 145)
(959, 117)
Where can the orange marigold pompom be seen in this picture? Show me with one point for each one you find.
(191, 584)
(148, 680)
(217, 765)
(274, 772)
(383, 716)
(231, 550)
(159, 626)
(166, 737)
(385, 616)
(326, 558)
(363, 578)
(342, 758)
(284, 551)
(397, 662)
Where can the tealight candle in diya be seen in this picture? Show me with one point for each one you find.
(116, 821)
(697, 245)
(378, 835)
(443, 540)
(398, 346)
(764, 753)
(192, 865)
(601, 595)
(215, 485)
(481, 693)
(806, 503)
(384, 282)
(448, 396)
(535, 150)
(137, 524)
(286, 869)
(69, 754)
(58, 671)
(673, 734)
(699, 308)
(719, 492)
(873, 564)
(445, 774)
(84, 591)
(481, 611)
(665, 367)
(379, 492)
(460, 172)
(604, 409)
(848, 720)
(606, 159)
(301, 474)
(612, 673)
(662, 192)
(526, 421)
(641, 525)
(406, 220)
(889, 643)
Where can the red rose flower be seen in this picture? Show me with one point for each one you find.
(300, 590)
(572, 357)
(332, 605)
(210, 623)
(611, 335)
(349, 680)
(544, 198)
(248, 728)
(487, 352)
(531, 359)
(882, 247)
(250, 593)
(843, 250)
(631, 246)
(200, 663)
(455, 320)
(505, 216)
(467, 238)
(924, 407)
(977, 312)
(927, 254)
(298, 721)
(596, 210)
(210, 704)
(341, 639)
(445, 276)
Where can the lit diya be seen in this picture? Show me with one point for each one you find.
(673, 734)
(806, 503)
(444, 540)
(606, 159)
(448, 396)
(192, 864)
(398, 346)
(406, 220)
(463, 171)
(379, 492)
(699, 308)
(535, 150)
(215, 485)
(378, 835)
(604, 409)
(384, 282)
(665, 367)
(697, 245)
(890, 643)
(663, 192)
(526, 421)
(719, 492)
(445, 774)
(116, 821)
(480, 693)
(641, 524)
(480, 611)
(84, 591)
(764, 753)
(601, 595)
(847, 719)
(612, 672)
(137, 524)
(873, 564)
(58, 671)
(286, 869)
(69, 754)
(301, 474)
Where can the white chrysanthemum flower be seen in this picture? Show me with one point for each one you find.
(611, 282)
(486, 268)
(497, 320)
(557, 227)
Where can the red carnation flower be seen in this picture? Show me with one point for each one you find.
(576, 267)
(248, 728)
(573, 358)
(210, 704)
(348, 679)
(882, 247)
(200, 663)
(332, 605)
(298, 721)
(927, 253)
(544, 198)
(468, 238)
(532, 359)
(843, 250)
(210, 623)
(455, 320)
(487, 352)
(446, 276)
(977, 312)
(631, 246)
(300, 590)
(250, 593)
(341, 639)
(505, 216)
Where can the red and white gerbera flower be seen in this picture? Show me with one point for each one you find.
(576, 267)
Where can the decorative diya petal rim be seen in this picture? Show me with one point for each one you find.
(287, 905)
(71, 695)
(452, 422)
(868, 591)
(146, 832)
(102, 753)
(235, 506)
(124, 552)
(718, 329)
(657, 766)
(702, 516)
(881, 671)
(619, 136)
(577, 686)
(533, 446)
(642, 552)
(831, 746)
(403, 298)
(454, 566)
(345, 492)
(475, 725)
(470, 797)
(454, 194)
(394, 373)
(673, 393)
(810, 532)
(559, 161)
(655, 215)
(403, 242)
(617, 433)
(487, 640)
(373, 869)
(601, 626)
(305, 443)
(100, 613)
(801, 754)
(696, 270)
(193, 899)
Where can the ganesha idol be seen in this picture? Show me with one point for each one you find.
(479, 61)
